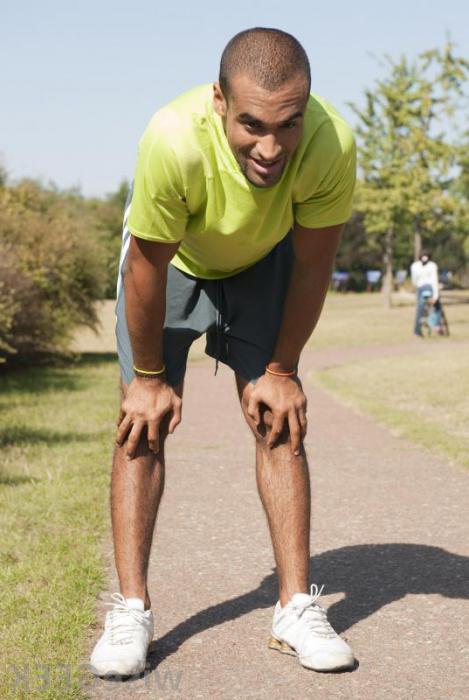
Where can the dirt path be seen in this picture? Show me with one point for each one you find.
(389, 541)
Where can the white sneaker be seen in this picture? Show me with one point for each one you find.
(301, 628)
(122, 649)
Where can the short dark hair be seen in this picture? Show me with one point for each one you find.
(270, 56)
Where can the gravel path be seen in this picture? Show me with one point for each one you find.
(389, 541)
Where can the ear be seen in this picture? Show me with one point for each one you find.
(219, 102)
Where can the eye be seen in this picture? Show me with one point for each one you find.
(252, 126)
(289, 125)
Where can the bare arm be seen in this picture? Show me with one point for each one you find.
(315, 251)
(145, 277)
(147, 401)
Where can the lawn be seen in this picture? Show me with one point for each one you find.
(56, 440)
(421, 395)
(356, 320)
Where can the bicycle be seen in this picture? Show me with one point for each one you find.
(433, 320)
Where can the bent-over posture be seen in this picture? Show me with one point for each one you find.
(240, 193)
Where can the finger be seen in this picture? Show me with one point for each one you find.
(253, 410)
(153, 429)
(267, 418)
(295, 432)
(277, 427)
(120, 417)
(176, 417)
(303, 423)
(134, 438)
(123, 429)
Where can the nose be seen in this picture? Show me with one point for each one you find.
(268, 148)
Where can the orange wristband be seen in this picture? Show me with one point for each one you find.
(281, 374)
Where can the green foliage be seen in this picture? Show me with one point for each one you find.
(107, 218)
(410, 154)
(52, 269)
(59, 253)
(460, 191)
(358, 252)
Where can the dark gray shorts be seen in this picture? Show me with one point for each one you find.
(240, 315)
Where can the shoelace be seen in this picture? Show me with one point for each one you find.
(314, 615)
(123, 621)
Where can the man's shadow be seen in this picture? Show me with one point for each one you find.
(370, 576)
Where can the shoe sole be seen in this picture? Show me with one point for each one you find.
(115, 672)
(284, 648)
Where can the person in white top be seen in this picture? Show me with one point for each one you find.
(424, 274)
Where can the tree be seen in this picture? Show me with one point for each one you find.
(107, 215)
(51, 270)
(408, 159)
(460, 189)
(358, 252)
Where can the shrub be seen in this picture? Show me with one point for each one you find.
(52, 269)
(107, 215)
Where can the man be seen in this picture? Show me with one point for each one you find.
(241, 190)
(424, 275)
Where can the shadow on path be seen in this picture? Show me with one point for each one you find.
(371, 576)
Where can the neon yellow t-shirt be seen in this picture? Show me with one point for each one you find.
(189, 187)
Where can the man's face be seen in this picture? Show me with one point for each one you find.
(263, 128)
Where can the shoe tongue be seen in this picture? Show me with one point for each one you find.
(135, 603)
(300, 599)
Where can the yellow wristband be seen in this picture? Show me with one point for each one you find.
(146, 373)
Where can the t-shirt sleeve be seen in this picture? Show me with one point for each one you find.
(158, 211)
(331, 172)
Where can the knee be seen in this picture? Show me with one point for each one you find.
(262, 431)
(141, 450)
(163, 433)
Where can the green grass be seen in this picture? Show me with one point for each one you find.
(56, 431)
(56, 441)
(421, 395)
(358, 320)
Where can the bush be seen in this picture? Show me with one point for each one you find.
(107, 215)
(52, 269)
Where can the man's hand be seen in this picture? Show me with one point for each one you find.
(285, 398)
(145, 405)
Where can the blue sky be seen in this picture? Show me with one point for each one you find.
(80, 80)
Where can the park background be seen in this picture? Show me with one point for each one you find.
(81, 81)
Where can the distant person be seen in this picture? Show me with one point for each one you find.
(373, 280)
(400, 277)
(424, 275)
(241, 191)
(340, 281)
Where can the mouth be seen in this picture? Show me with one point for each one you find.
(267, 169)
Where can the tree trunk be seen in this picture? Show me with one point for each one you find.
(417, 244)
(388, 268)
